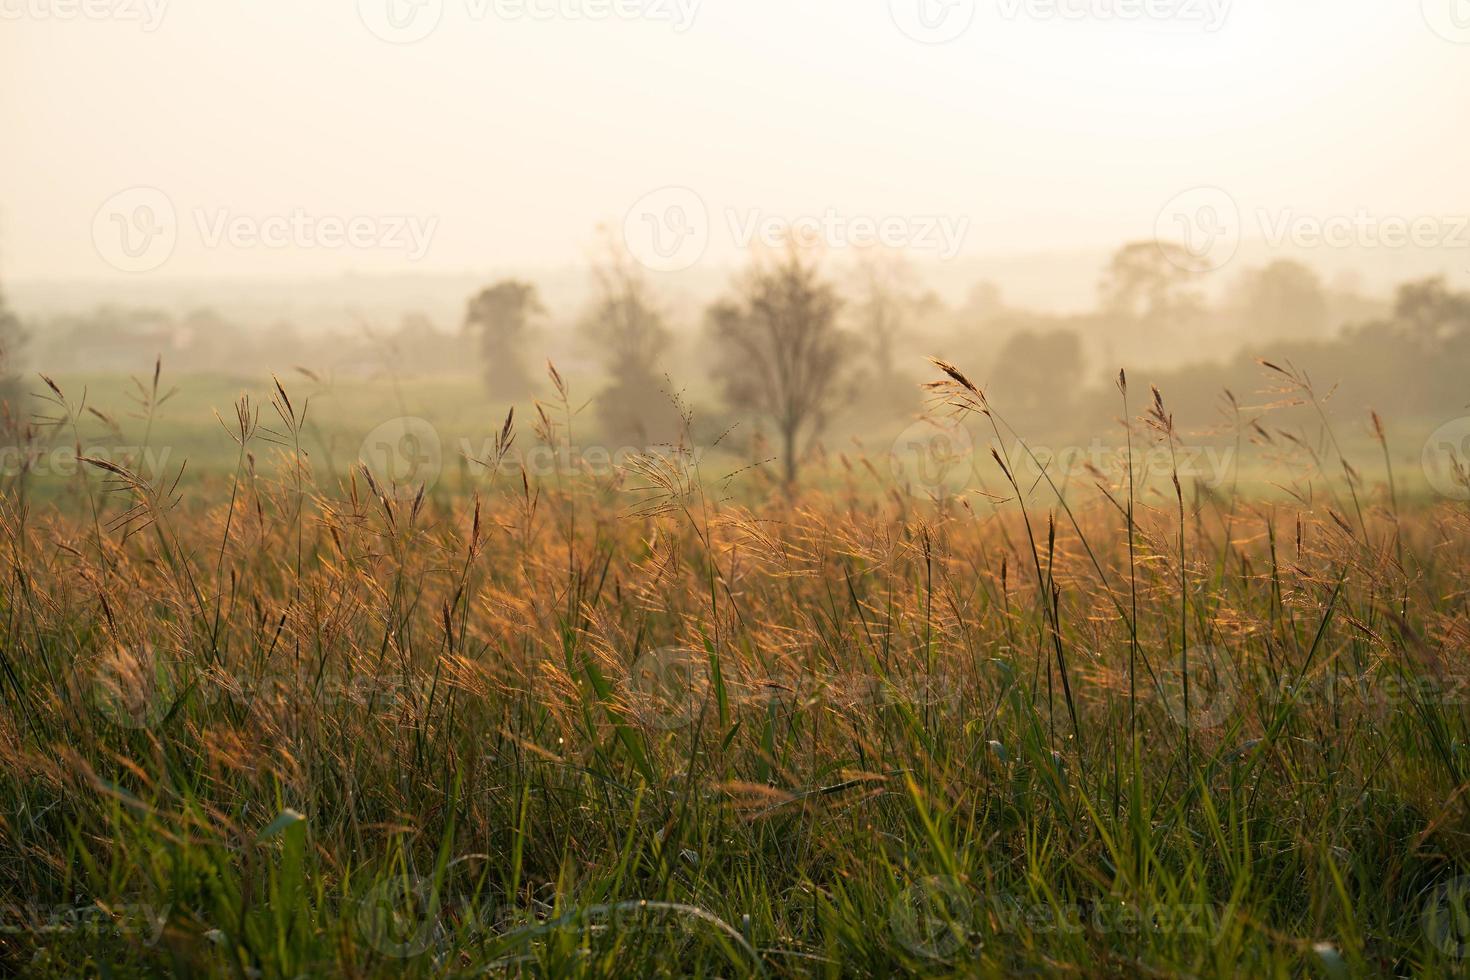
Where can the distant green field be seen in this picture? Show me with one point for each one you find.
(427, 431)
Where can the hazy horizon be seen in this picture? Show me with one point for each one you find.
(268, 131)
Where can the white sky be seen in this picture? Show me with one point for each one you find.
(519, 135)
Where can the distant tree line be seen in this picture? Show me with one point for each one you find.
(795, 355)
(110, 339)
(11, 339)
(789, 351)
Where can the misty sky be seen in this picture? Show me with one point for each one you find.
(503, 136)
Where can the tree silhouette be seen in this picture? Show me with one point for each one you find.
(11, 339)
(779, 351)
(1285, 300)
(1430, 313)
(888, 300)
(628, 328)
(1039, 374)
(500, 317)
(1150, 282)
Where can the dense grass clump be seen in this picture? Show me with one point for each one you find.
(639, 725)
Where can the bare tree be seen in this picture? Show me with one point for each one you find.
(1283, 301)
(1151, 283)
(780, 352)
(889, 301)
(630, 331)
(11, 338)
(500, 317)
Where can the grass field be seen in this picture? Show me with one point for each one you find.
(286, 720)
(347, 422)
